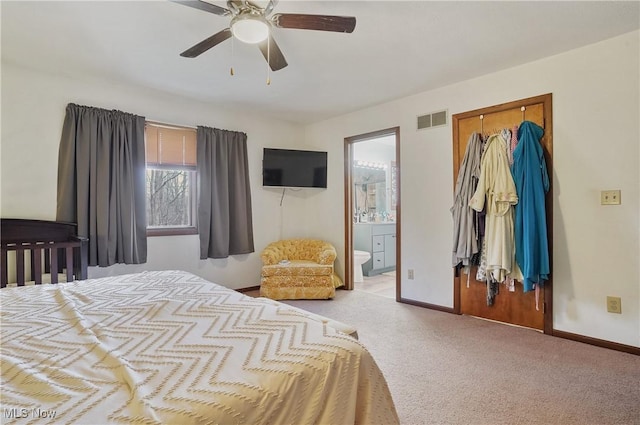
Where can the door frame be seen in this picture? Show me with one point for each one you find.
(348, 203)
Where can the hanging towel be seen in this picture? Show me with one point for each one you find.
(465, 237)
(532, 182)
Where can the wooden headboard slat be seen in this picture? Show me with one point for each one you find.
(4, 277)
(20, 266)
(54, 262)
(36, 261)
(69, 263)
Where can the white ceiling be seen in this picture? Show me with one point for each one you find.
(398, 48)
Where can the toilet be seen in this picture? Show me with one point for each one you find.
(359, 258)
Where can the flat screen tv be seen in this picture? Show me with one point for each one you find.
(294, 168)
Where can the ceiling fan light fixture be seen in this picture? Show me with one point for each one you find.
(249, 28)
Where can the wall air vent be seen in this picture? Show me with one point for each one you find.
(435, 119)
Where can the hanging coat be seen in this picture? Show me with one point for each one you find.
(465, 237)
(532, 182)
(497, 186)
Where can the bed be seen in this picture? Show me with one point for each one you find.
(169, 347)
(40, 251)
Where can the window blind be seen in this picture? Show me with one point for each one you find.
(166, 145)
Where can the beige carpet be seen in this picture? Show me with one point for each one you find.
(449, 369)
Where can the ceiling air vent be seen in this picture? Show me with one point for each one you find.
(435, 119)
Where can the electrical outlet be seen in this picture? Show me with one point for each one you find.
(410, 274)
(614, 305)
(610, 197)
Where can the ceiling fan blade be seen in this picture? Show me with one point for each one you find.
(203, 5)
(206, 44)
(272, 54)
(314, 22)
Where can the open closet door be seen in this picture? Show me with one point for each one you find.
(470, 295)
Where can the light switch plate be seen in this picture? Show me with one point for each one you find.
(610, 197)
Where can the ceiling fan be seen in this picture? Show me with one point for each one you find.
(251, 23)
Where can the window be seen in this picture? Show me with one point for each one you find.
(170, 179)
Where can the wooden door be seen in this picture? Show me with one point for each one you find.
(517, 307)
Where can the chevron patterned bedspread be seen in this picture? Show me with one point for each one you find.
(171, 348)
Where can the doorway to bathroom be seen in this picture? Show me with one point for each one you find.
(372, 212)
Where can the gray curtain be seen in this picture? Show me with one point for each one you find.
(224, 212)
(101, 183)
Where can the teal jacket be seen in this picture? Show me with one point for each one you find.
(530, 175)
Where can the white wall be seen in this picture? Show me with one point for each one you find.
(33, 108)
(596, 116)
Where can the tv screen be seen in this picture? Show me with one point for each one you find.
(294, 168)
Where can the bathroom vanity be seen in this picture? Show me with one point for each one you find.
(379, 239)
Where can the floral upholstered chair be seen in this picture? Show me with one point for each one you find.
(298, 269)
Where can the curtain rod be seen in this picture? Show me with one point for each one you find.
(169, 125)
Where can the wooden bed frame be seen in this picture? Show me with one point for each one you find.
(48, 243)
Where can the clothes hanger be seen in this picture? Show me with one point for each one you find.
(484, 135)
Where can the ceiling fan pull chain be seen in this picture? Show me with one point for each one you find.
(268, 60)
(231, 71)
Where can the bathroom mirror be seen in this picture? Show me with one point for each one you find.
(370, 190)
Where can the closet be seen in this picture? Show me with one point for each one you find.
(470, 295)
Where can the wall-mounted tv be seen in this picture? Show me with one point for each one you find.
(294, 168)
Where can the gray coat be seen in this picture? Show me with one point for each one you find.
(465, 238)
